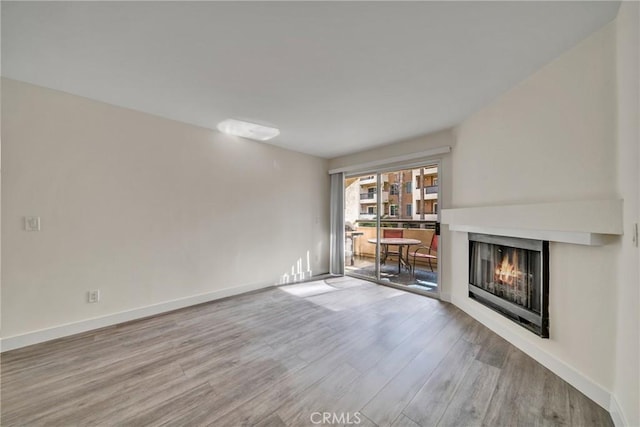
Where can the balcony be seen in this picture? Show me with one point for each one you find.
(360, 258)
(428, 216)
(368, 198)
(371, 179)
(371, 198)
(367, 216)
(428, 193)
(431, 192)
(431, 189)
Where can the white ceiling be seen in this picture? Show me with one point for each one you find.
(335, 77)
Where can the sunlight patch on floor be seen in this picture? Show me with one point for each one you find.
(308, 289)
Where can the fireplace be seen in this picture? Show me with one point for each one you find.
(511, 275)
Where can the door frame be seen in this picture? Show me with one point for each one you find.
(378, 171)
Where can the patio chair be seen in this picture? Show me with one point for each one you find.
(392, 233)
(427, 252)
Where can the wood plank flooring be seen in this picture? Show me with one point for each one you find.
(274, 358)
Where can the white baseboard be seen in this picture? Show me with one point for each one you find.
(42, 335)
(584, 384)
(617, 415)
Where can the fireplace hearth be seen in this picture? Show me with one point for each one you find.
(511, 276)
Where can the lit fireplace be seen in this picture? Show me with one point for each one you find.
(510, 275)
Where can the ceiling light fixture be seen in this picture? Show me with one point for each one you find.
(247, 130)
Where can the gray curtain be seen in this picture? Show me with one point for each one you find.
(336, 242)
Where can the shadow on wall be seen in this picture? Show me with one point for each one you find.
(298, 272)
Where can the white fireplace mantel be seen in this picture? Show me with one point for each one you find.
(585, 222)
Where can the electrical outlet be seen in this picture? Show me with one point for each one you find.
(94, 296)
(32, 223)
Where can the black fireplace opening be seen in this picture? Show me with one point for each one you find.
(511, 276)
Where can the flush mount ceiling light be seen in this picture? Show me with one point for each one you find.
(247, 130)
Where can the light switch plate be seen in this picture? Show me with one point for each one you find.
(32, 223)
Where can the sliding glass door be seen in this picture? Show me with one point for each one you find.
(391, 227)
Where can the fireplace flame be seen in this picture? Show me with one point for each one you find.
(506, 272)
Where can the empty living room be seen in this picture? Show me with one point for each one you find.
(320, 213)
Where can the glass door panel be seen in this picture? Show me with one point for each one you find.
(361, 216)
(408, 225)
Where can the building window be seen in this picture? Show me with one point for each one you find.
(435, 180)
(435, 208)
(394, 189)
(409, 209)
(407, 187)
(393, 210)
(371, 210)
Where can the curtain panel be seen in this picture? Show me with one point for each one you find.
(336, 242)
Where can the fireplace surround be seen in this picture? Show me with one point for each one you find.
(511, 276)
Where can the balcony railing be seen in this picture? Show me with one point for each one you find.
(368, 198)
(366, 216)
(368, 220)
(372, 179)
(432, 189)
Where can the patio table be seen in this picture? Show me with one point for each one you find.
(400, 242)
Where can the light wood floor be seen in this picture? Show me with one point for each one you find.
(275, 357)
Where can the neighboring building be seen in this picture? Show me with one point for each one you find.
(408, 194)
(368, 195)
(400, 204)
(425, 193)
(351, 200)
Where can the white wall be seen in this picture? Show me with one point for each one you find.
(627, 362)
(552, 138)
(145, 209)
